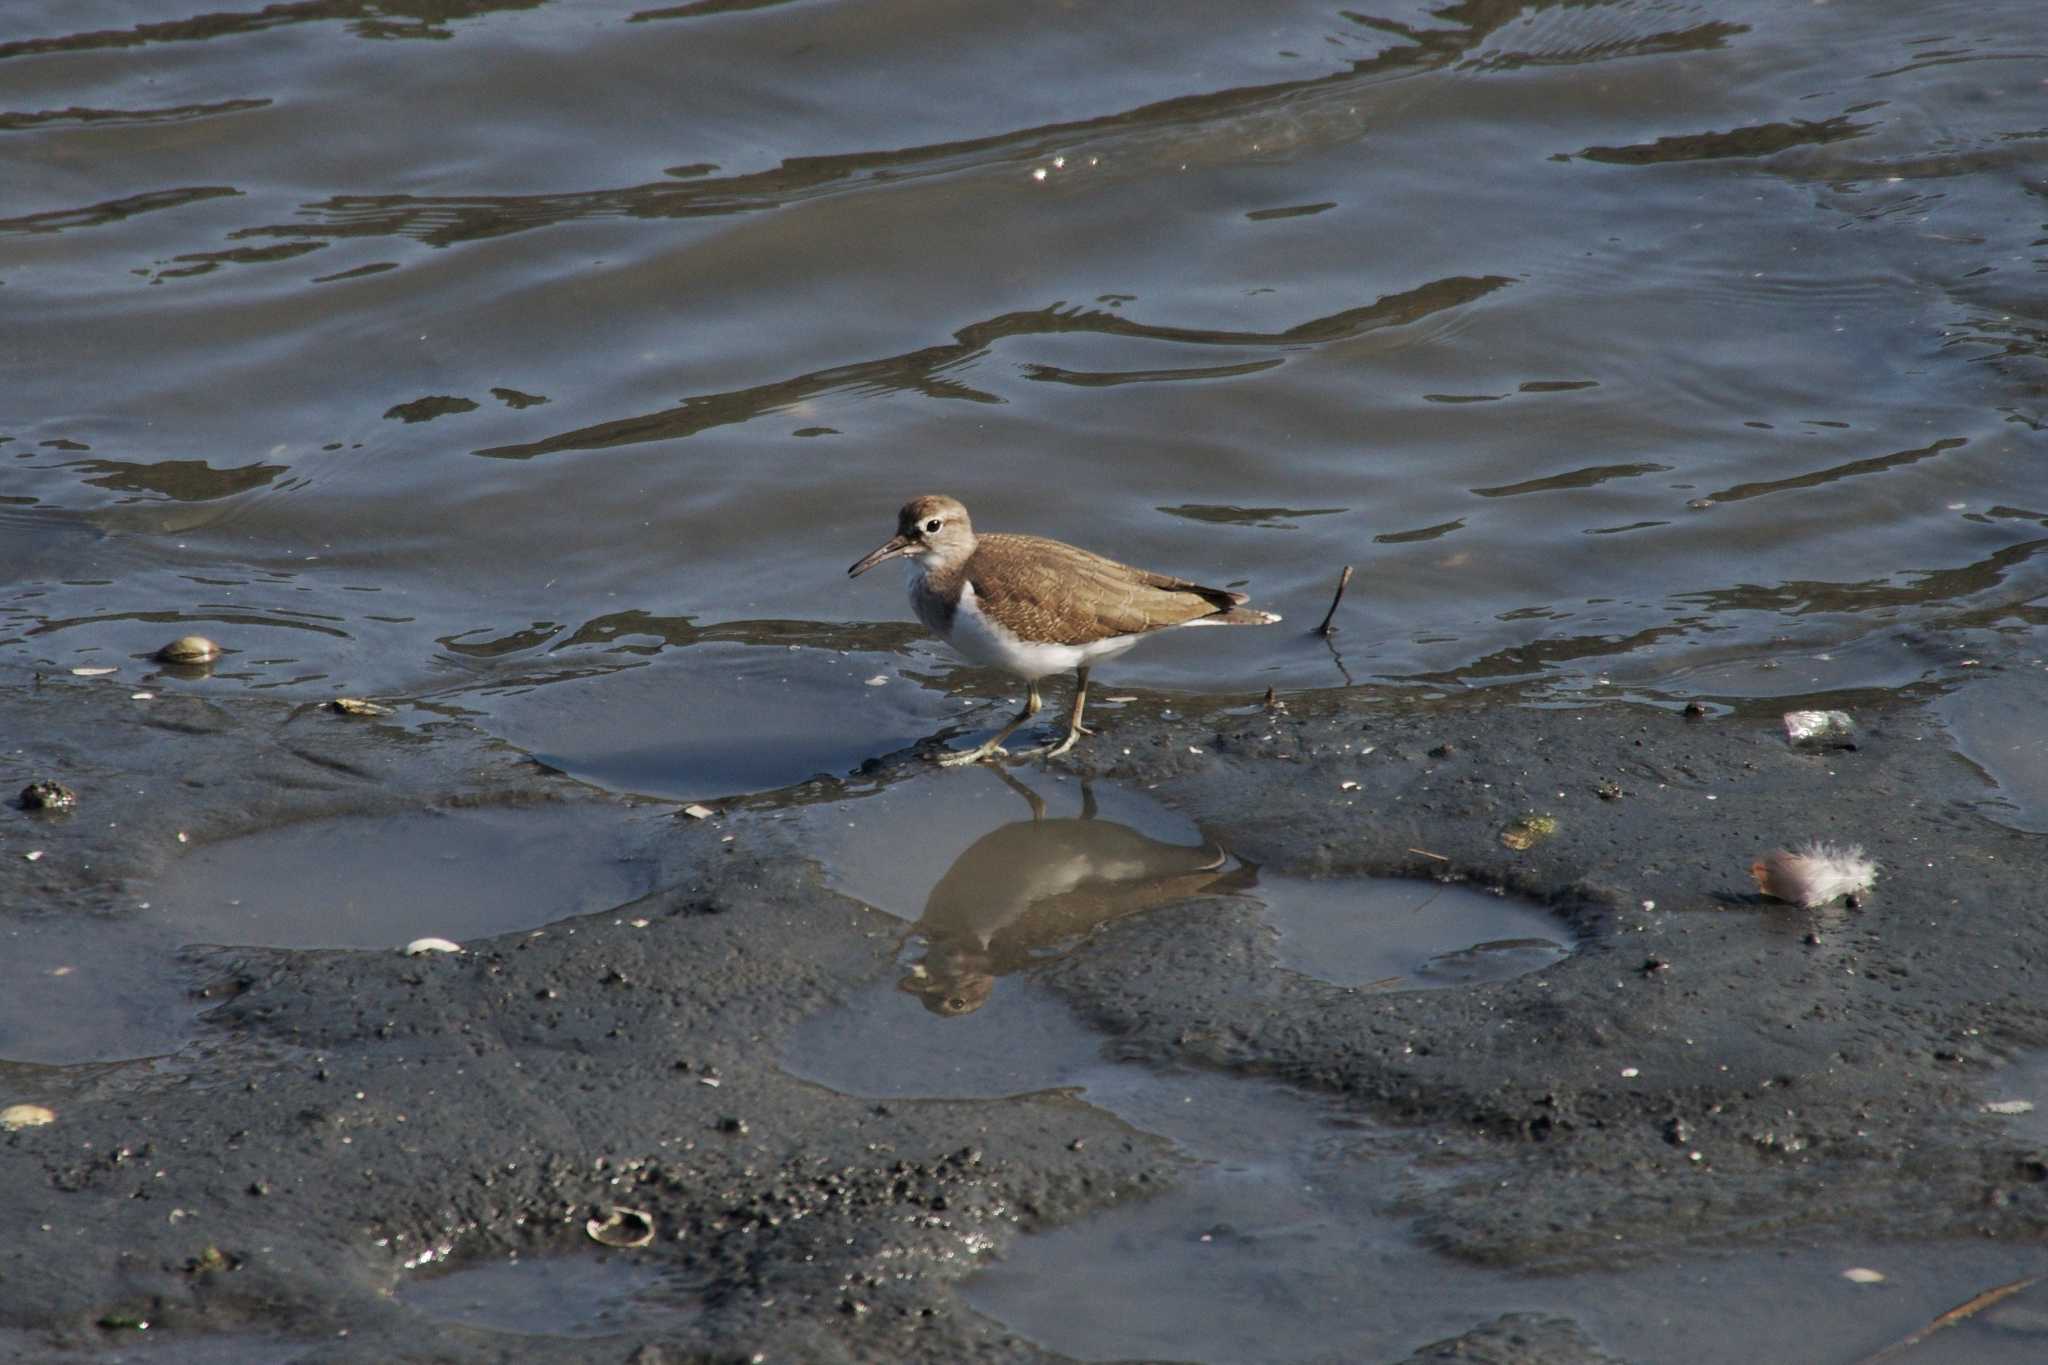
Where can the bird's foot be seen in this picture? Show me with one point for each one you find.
(1055, 748)
(964, 757)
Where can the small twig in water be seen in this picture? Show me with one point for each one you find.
(1951, 1318)
(1343, 582)
(1427, 854)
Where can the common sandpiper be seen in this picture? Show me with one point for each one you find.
(1031, 606)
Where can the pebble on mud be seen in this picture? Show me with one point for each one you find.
(18, 1116)
(189, 650)
(1820, 729)
(48, 796)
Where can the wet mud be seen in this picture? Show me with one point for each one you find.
(299, 1144)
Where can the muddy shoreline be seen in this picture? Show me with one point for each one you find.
(1706, 1070)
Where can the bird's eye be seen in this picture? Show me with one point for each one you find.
(931, 525)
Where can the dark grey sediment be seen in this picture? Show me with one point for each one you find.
(1709, 1069)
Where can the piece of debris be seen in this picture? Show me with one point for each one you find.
(1857, 1274)
(1694, 711)
(189, 650)
(1528, 832)
(356, 706)
(46, 795)
(1814, 873)
(34, 855)
(1343, 581)
(2009, 1107)
(697, 812)
(621, 1227)
(1609, 790)
(96, 672)
(15, 1117)
(420, 947)
(879, 680)
(1820, 729)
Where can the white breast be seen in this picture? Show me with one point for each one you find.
(983, 641)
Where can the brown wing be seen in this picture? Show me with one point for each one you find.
(1048, 590)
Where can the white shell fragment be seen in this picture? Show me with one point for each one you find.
(1859, 1275)
(92, 672)
(356, 706)
(2009, 1107)
(1814, 873)
(1820, 729)
(18, 1116)
(620, 1227)
(696, 812)
(420, 947)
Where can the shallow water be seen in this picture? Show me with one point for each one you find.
(442, 355)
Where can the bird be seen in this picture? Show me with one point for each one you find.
(1032, 606)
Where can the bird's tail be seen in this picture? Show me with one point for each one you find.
(1238, 616)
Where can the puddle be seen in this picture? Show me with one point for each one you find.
(384, 881)
(1996, 725)
(1289, 1263)
(563, 1296)
(997, 873)
(715, 720)
(1406, 934)
(77, 989)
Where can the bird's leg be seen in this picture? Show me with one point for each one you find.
(1075, 729)
(993, 748)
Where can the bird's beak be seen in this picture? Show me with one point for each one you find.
(889, 549)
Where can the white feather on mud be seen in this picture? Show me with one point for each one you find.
(1814, 873)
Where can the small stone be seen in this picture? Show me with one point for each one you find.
(1695, 711)
(189, 650)
(48, 796)
(1609, 790)
(1860, 1275)
(356, 706)
(1815, 730)
(420, 947)
(699, 812)
(1444, 750)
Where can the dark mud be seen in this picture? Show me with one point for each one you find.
(1706, 1070)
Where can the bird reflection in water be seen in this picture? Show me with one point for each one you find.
(1030, 891)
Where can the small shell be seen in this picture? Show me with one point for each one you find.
(621, 1227)
(189, 649)
(18, 1116)
(356, 706)
(420, 947)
